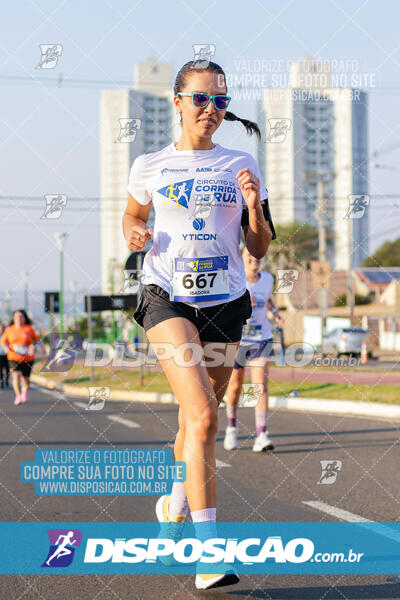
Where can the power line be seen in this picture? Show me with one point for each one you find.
(85, 82)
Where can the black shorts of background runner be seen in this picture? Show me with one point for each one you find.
(24, 367)
(4, 370)
(220, 323)
(251, 350)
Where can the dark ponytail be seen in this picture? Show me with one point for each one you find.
(195, 67)
(251, 127)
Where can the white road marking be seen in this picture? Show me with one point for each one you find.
(350, 517)
(123, 421)
(345, 515)
(220, 463)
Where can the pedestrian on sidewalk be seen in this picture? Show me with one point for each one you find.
(4, 366)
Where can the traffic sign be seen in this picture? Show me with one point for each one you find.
(113, 302)
(52, 302)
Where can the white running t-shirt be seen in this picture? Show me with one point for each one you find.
(195, 255)
(258, 327)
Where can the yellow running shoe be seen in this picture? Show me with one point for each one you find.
(169, 528)
(205, 582)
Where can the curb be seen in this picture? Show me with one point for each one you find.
(117, 395)
(321, 405)
(343, 407)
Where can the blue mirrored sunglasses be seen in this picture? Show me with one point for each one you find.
(201, 100)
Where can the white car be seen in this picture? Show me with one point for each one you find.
(347, 340)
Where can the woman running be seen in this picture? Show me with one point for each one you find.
(194, 294)
(254, 349)
(17, 341)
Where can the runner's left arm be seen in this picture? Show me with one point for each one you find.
(275, 311)
(34, 340)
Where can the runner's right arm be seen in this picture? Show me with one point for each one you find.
(134, 224)
(4, 342)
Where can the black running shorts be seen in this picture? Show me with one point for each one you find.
(249, 351)
(24, 367)
(220, 323)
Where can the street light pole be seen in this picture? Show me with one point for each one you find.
(111, 274)
(321, 208)
(322, 253)
(25, 278)
(60, 241)
(8, 296)
(350, 290)
(72, 285)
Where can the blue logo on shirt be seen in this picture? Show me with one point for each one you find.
(199, 224)
(178, 192)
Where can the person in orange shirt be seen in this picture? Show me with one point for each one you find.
(17, 341)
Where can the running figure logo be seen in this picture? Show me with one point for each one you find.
(194, 265)
(357, 206)
(98, 397)
(55, 204)
(50, 55)
(278, 129)
(63, 351)
(132, 280)
(286, 280)
(128, 130)
(251, 394)
(62, 547)
(330, 470)
(178, 192)
(203, 53)
(202, 210)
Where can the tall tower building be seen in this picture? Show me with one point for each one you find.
(314, 129)
(132, 122)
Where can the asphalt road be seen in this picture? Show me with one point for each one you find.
(252, 487)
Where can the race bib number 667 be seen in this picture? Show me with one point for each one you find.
(199, 279)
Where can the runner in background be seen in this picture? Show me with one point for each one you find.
(17, 340)
(254, 350)
(4, 366)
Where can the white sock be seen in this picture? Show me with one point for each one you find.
(205, 523)
(204, 514)
(178, 504)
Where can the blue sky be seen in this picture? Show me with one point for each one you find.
(49, 134)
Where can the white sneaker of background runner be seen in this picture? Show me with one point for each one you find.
(263, 442)
(231, 438)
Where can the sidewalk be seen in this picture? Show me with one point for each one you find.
(335, 376)
(343, 407)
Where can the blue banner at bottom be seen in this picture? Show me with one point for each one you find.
(287, 548)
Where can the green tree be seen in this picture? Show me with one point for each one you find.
(98, 327)
(341, 300)
(296, 244)
(388, 255)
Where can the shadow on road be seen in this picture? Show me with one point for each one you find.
(350, 592)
